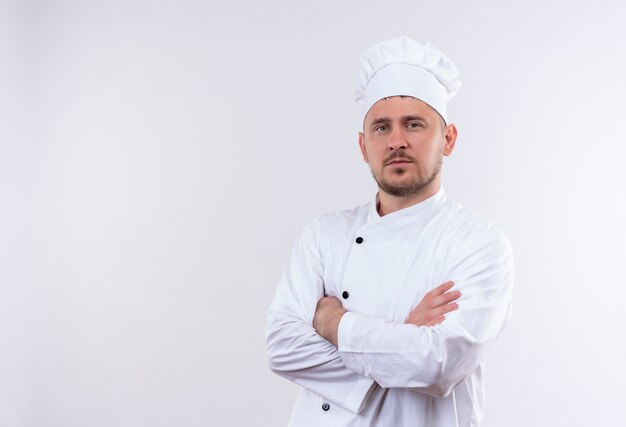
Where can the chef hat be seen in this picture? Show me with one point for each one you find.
(402, 66)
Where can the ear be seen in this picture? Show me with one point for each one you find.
(450, 135)
(362, 146)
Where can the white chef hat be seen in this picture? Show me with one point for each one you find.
(402, 66)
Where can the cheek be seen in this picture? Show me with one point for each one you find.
(431, 150)
(377, 157)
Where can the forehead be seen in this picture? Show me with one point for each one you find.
(399, 106)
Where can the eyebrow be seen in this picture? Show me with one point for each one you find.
(402, 119)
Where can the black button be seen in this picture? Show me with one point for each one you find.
(359, 240)
(325, 406)
(345, 294)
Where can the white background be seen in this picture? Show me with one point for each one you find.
(158, 160)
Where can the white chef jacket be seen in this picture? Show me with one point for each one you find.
(385, 372)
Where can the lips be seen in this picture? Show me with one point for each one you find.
(398, 161)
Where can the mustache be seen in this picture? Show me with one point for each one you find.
(398, 155)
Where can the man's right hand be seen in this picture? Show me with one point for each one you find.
(432, 308)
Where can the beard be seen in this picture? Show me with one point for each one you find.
(410, 188)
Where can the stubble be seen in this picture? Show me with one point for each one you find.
(414, 187)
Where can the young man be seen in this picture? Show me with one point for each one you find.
(361, 319)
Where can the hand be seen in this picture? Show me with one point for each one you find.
(435, 304)
(328, 313)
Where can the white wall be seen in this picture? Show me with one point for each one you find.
(158, 159)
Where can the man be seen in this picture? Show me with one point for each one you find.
(361, 319)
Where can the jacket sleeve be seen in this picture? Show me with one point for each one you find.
(295, 350)
(434, 360)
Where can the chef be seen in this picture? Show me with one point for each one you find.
(385, 312)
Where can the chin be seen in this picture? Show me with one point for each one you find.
(404, 180)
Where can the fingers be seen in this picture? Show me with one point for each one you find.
(446, 298)
(439, 313)
(440, 295)
(436, 303)
(446, 308)
(441, 289)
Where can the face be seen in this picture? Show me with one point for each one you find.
(404, 141)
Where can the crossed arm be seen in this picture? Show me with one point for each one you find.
(304, 328)
(430, 311)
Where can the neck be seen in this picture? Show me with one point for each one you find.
(388, 203)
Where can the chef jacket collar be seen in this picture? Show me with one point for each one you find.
(421, 211)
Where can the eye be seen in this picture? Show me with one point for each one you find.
(414, 125)
(380, 128)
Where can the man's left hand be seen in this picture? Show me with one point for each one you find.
(328, 313)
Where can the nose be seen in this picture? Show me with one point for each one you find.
(397, 139)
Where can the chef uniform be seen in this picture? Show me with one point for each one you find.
(385, 372)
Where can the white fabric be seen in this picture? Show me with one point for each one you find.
(402, 66)
(387, 373)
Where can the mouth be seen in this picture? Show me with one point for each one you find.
(398, 162)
